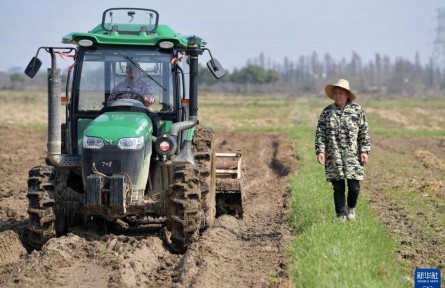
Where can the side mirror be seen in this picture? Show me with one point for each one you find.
(216, 68)
(33, 67)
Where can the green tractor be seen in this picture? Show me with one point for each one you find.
(125, 161)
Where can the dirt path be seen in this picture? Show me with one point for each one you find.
(234, 253)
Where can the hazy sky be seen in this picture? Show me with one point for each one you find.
(237, 30)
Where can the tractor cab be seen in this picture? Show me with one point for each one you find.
(129, 38)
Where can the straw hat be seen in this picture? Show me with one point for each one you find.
(342, 83)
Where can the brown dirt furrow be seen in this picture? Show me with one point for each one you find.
(234, 253)
(252, 252)
(419, 170)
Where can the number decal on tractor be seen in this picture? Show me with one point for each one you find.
(107, 164)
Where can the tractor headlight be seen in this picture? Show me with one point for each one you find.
(85, 42)
(92, 142)
(131, 143)
(166, 45)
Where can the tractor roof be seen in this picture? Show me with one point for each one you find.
(131, 26)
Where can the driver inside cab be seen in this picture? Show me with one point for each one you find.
(132, 88)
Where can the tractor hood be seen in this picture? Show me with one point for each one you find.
(118, 143)
(113, 126)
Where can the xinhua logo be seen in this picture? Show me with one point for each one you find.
(427, 278)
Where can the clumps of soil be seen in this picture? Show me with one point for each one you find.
(429, 160)
(420, 171)
(433, 184)
(11, 248)
(234, 253)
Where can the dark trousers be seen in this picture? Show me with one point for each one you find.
(339, 195)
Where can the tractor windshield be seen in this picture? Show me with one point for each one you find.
(108, 73)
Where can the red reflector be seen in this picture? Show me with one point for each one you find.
(164, 146)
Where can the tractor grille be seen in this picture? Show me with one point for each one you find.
(112, 160)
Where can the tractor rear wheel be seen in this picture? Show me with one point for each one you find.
(203, 143)
(186, 207)
(193, 193)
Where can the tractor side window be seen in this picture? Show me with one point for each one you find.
(92, 86)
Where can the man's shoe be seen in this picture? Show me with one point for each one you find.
(351, 213)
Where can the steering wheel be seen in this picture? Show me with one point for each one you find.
(138, 95)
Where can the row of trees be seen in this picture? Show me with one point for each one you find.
(311, 73)
(305, 74)
(252, 74)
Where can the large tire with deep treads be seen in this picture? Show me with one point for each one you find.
(53, 206)
(185, 207)
(68, 203)
(203, 152)
(41, 205)
(192, 199)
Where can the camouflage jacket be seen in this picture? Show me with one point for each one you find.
(343, 135)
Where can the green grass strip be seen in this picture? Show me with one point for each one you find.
(325, 252)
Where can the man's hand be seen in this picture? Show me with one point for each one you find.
(148, 100)
(320, 158)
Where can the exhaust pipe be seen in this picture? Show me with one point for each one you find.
(54, 129)
(185, 156)
(179, 126)
(54, 144)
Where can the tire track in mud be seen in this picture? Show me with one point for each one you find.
(234, 253)
(252, 252)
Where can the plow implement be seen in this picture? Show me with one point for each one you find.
(229, 194)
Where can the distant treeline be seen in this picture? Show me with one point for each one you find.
(310, 74)
(306, 74)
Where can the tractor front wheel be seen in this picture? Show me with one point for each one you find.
(41, 205)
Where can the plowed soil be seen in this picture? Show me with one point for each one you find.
(234, 253)
(419, 166)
